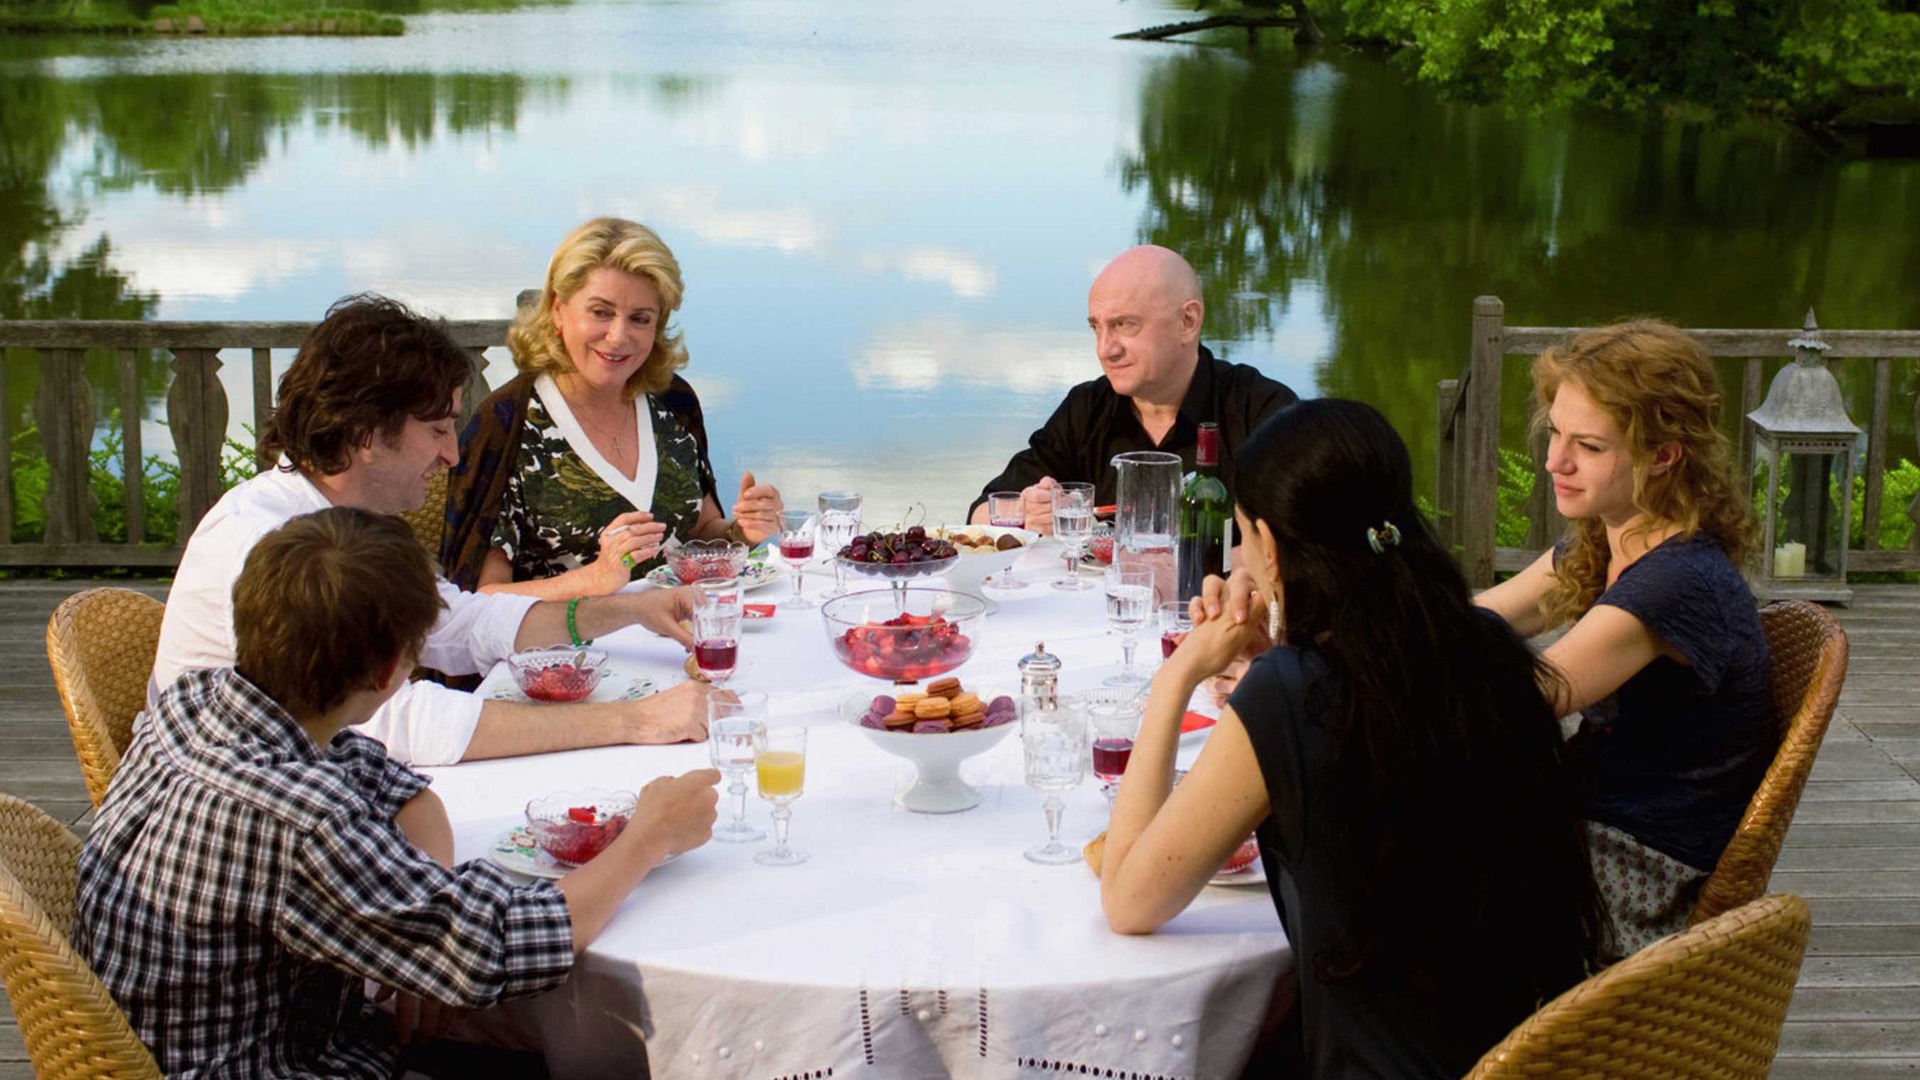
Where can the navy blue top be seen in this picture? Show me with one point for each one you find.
(1676, 753)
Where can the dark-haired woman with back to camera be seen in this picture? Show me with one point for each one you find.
(1393, 755)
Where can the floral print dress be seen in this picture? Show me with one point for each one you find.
(560, 493)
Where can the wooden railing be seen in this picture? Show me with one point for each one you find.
(66, 412)
(1467, 477)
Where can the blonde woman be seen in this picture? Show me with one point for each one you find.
(1663, 653)
(574, 473)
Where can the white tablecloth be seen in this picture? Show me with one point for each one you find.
(909, 945)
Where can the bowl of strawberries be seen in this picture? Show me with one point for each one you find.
(562, 673)
(574, 826)
(905, 635)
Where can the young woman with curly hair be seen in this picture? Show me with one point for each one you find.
(1663, 654)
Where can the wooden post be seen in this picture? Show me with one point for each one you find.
(197, 415)
(1445, 480)
(262, 403)
(6, 454)
(64, 412)
(1749, 401)
(1876, 472)
(1479, 480)
(476, 389)
(133, 466)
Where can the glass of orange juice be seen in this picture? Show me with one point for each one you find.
(780, 765)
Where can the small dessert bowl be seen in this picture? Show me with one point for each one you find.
(562, 673)
(574, 826)
(708, 561)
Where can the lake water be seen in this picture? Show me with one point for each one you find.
(888, 214)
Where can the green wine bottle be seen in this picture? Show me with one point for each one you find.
(1206, 517)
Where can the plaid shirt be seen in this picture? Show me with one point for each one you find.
(240, 883)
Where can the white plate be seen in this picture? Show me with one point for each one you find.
(755, 575)
(614, 686)
(515, 850)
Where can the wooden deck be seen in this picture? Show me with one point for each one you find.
(1854, 851)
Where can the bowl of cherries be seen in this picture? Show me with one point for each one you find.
(898, 556)
(574, 826)
(923, 633)
(559, 674)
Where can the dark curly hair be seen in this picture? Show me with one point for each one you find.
(370, 364)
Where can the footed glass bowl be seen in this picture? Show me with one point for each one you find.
(926, 632)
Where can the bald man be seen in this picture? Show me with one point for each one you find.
(1160, 384)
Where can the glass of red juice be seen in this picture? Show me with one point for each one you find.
(796, 548)
(1175, 621)
(1113, 722)
(716, 638)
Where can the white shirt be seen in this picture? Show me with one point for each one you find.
(425, 723)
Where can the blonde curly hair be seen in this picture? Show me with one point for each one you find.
(1658, 385)
(618, 244)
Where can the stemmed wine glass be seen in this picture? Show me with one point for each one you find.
(1055, 745)
(1073, 524)
(716, 634)
(780, 764)
(839, 524)
(1113, 722)
(1129, 604)
(1007, 510)
(735, 722)
(796, 547)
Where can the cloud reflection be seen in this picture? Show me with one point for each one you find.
(964, 275)
(793, 230)
(943, 350)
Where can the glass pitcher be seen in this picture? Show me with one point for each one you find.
(1147, 517)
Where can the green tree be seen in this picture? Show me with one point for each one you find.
(1812, 58)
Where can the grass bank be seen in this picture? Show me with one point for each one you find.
(211, 18)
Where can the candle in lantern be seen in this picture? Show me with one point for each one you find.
(1790, 560)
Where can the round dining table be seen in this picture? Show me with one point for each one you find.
(907, 945)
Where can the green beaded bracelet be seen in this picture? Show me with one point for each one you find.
(573, 628)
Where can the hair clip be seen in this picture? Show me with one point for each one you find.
(1384, 537)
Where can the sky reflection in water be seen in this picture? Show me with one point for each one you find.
(888, 217)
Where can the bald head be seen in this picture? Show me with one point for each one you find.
(1154, 270)
(1145, 311)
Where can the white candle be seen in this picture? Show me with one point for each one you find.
(1790, 560)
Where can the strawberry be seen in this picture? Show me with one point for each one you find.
(582, 814)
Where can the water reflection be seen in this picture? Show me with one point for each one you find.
(1274, 177)
(888, 230)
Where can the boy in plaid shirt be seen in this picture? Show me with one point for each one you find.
(254, 861)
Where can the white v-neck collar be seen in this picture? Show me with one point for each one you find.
(646, 469)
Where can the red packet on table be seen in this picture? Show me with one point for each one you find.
(1196, 722)
(756, 611)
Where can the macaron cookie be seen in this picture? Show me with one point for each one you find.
(934, 708)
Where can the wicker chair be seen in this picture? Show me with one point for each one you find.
(1707, 1002)
(72, 1028)
(1808, 651)
(101, 644)
(429, 523)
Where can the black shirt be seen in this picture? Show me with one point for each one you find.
(1384, 1018)
(1094, 423)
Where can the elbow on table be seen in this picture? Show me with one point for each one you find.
(1129, 914)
